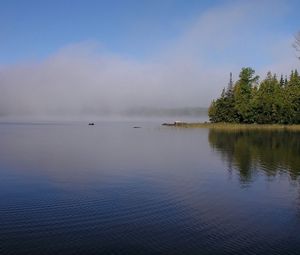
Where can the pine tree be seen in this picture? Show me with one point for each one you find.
(297, 43)
(243, 92)
(281, 82)
(286, 81)
(229, 91)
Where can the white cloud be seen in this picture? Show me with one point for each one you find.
(85, 78)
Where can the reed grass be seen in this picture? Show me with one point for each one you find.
(237, 127)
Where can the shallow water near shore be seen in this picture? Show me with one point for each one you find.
(70, 188)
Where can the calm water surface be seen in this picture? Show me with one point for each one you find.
(70, 188)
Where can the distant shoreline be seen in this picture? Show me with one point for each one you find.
(233, 126)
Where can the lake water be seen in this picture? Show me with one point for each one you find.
(70, 188)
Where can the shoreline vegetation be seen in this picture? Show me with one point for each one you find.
(235, 126)
(250, 101)
(248, 104)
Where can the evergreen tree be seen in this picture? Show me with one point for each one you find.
(229, 91)
(293, 96)
(281, 82)
(297, 43)
(285, 81)
(222, 110)
(268, 104)
(246, 101)
(243, 94)
(231, 114)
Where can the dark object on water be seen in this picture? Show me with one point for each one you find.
(91, 124)
(168, 124)
(137, 127)
(176, 123)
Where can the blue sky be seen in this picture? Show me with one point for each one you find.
(37, 28)
(131, 53)
(34, 29)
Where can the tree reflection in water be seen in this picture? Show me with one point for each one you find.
(254, 152)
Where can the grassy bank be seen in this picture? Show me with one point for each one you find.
(233, 127)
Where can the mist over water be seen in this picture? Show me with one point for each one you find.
(73, 83)
(188, 71)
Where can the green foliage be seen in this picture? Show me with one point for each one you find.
(268, 102)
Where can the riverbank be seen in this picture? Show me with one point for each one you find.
(234, 127)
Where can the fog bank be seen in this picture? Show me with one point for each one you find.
(88, 79)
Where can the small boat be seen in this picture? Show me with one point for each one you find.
(91, 124)
(176, 123)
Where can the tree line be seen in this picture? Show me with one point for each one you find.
(271, 101)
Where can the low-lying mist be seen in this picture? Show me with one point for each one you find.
(88, 79)
(80, 80)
